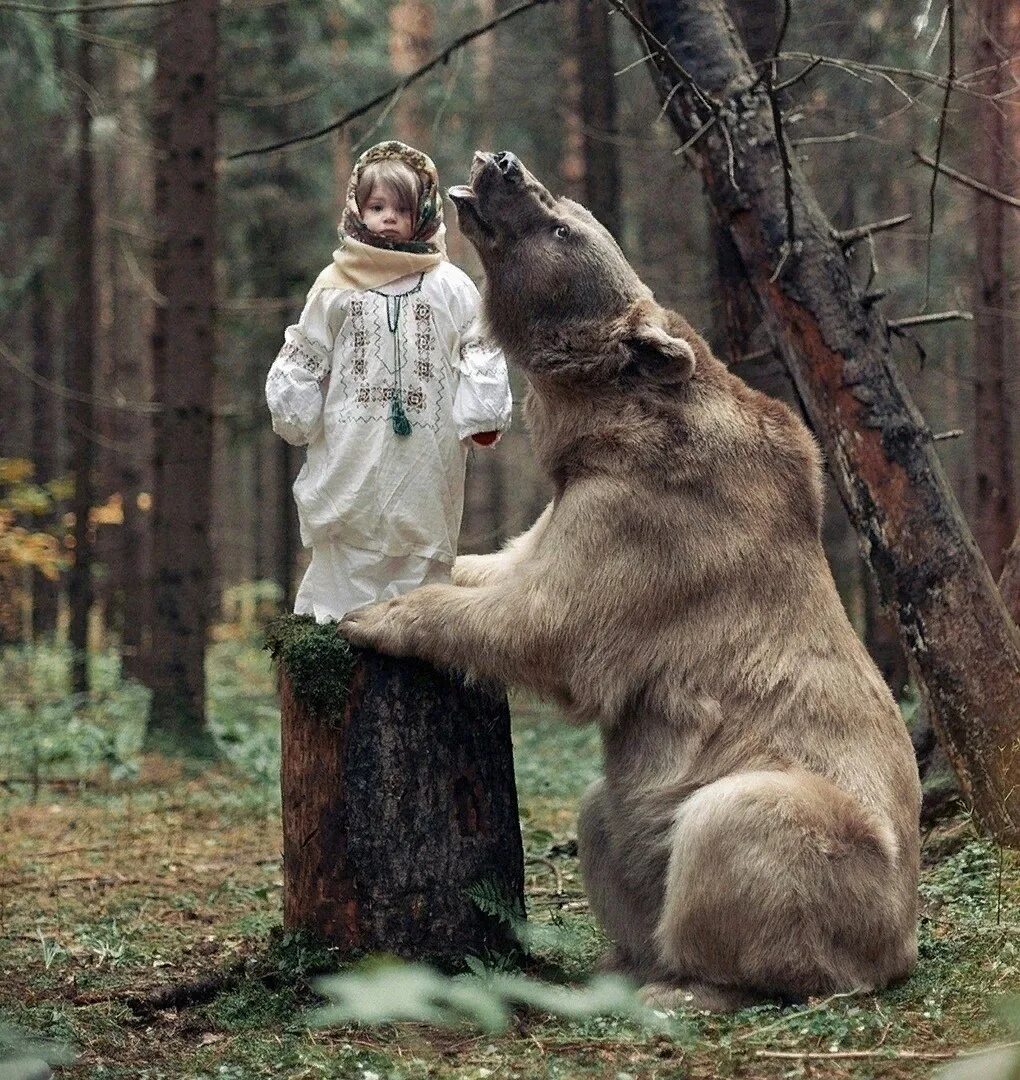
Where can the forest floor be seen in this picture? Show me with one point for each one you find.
(143, 873)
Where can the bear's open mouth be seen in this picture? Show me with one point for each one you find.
(465, 196)
(466, 193)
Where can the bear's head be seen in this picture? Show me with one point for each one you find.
(561, 297)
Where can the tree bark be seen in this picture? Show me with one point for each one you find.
(396, 802)
(45, 425)
(132, 327)
(81, 381)
(994, 338)
(412, 27)
(963, 645)
(184, 128)
(601, 154)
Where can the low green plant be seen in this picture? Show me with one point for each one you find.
(46, 731)
(24, 1056)
(998, 1063)
(392, 991)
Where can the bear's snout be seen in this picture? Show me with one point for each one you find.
(509, 164)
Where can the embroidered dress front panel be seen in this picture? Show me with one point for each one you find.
(369, 378)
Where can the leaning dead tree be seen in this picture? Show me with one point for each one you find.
(964, 646)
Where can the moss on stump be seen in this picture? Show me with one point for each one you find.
(316, 659)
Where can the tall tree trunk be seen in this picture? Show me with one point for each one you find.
(412, 26)
(739, 314)
(963, 644)
(485, 505)
(994, 338)
(45, 424)
(132, 328)
(184, 131)
(599, 133)
(82, 376)
(571, 141)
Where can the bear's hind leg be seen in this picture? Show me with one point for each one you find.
(781, 885)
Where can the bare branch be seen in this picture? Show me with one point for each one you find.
(661, 50)
(930, 319)
(859, 69)
(769, 80)
(969, 181)
(955, 433)
(846, 238)
(84, 9)
(802, 74)
(697, 135)
(396, 88)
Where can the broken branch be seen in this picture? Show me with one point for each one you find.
(846, 238)
(930, 319)
(969, 181)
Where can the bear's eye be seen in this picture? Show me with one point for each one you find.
(561, 232)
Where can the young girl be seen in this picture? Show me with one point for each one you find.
(386, 379)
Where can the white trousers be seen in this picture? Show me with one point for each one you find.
(341, 578)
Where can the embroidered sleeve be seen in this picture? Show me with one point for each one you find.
(294, 389)
(302, 351)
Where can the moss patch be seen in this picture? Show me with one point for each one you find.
(317, 660)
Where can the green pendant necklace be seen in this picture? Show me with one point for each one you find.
(398, 418)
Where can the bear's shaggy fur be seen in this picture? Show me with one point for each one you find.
(756, 832)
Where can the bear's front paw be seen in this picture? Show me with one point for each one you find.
(387, 627)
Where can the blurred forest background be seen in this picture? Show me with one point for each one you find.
(145, 504)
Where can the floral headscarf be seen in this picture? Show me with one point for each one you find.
(365, 260)
(429, 221)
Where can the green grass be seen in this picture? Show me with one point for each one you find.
(149, 872)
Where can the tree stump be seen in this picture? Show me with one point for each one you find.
(398, 799)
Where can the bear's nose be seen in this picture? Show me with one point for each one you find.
(509, 164)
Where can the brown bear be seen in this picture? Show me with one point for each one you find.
(756, 833)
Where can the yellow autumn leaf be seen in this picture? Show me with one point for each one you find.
(110, 513)
(15, 470)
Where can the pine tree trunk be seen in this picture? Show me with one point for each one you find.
(184, 128)
(994, 338)
(964, 647)
(739, 313)
(45, 409)
(396, 802)
(81, 378)
(601, 154)
(412, 26)
(132, 328)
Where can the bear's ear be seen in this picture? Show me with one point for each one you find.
(657, 351)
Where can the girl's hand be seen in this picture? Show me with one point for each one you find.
(485, 438)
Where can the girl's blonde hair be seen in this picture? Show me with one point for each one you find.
(401, 179)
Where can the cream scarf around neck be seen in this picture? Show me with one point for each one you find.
(361, 266)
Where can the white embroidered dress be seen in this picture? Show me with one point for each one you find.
(381, 512)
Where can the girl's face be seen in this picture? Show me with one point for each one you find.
(383, 215)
